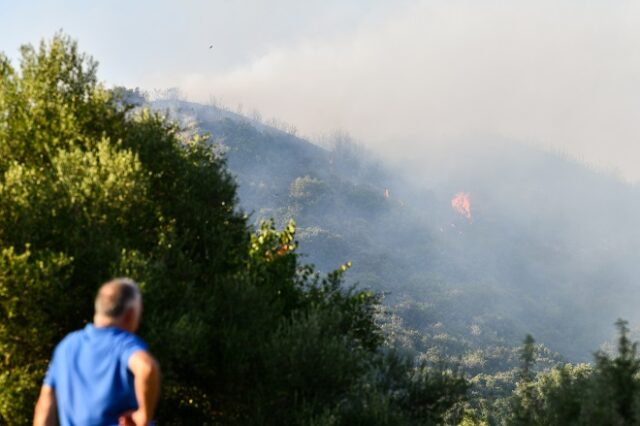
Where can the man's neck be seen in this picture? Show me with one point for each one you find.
(102, 322)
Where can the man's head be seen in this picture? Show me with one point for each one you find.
(118, 304)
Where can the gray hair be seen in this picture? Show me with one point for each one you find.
(116, 296)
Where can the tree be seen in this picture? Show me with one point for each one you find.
(92, 188)
(89, 190)
(524, 410)
(561, 394)
(606, 393)
(616, 384)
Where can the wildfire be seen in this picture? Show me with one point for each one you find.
(462, 204)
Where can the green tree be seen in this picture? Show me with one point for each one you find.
(616, 385)
(91, 188)
(522, 406)
(606, 393)
(561, 394)
(525, 409)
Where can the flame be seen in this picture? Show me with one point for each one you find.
(462, 204)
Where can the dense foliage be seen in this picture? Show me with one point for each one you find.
(91, 188)
(605, 393)
(461, 290)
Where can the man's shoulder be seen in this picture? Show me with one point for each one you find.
(130, 343)
(126, 337)
(120, 342)
(125, 344)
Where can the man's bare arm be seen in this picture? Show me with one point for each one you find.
(46, 412)
(146, 374)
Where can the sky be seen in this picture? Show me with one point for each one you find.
(403, 77)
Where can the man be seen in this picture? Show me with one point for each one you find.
(102, 374)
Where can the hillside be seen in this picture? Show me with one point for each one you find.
(550, 248)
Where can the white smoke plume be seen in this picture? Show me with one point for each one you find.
(563, 75)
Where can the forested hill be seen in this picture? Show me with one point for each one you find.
(550, 247)
(469, 252)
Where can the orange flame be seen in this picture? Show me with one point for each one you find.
(462, 204)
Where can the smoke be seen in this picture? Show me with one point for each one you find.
(561, 75)
(553, 245)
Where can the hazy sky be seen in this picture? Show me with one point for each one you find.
(401, 76)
